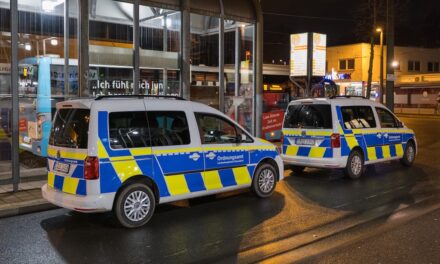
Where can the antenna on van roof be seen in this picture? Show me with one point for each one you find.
(140, 96)
(347, 96)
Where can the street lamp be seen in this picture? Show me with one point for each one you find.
(381, 62)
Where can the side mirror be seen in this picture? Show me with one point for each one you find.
(400, 124)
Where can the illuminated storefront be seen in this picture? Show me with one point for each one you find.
(52, 50)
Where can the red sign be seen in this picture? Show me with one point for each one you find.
(22, 125)
(272, 121)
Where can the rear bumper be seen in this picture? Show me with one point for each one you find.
(88, 203)
(315, 162)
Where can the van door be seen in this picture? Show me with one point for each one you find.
(226, 155)
(392, 136)
(360, 120)
(178, 153)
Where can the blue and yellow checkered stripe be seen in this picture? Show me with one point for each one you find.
(324, 149)
(384, 152)
(181, 184)
(67, 184)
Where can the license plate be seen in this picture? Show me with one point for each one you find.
(305, 141)
(61, 167)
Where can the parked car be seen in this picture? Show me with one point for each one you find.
(344, 132)
(128, 154)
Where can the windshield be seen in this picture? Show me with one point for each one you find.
(315, 116)
(70, 128)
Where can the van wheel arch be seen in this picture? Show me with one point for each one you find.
(271, 162)
(139, 179)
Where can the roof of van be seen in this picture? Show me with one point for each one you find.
(109, 103)
(343, 101)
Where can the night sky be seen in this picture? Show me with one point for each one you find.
(417, 22)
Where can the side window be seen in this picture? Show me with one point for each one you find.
(366, 116)
(355, 117)
(168, 128)
(386, 119)
(128, 130)
(215, 129)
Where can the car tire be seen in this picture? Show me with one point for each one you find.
(134, 206)
(355, 165)
(409, 154)
(265, 180)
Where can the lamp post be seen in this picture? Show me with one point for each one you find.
(381, 63)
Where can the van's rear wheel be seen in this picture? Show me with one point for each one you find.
(265, 180)
(409, 155)
(355, 165)
(135, 205)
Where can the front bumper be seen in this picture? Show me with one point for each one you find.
(315, 162)
(88, 203)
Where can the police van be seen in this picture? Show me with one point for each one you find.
(128, 154)
(344, 132)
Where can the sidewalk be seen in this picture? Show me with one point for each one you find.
(28, 199)
(418, 116)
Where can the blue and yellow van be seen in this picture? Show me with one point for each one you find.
(344, 132)
(128, 154)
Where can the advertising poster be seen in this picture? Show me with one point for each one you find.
(319, 54)
(298, 54)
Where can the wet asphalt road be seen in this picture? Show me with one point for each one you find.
(211, 228)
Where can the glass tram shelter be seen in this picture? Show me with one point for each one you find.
(51, 50)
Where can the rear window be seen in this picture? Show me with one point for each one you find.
(70, 128)
(315, 116)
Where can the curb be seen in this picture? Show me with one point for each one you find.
(26, 207)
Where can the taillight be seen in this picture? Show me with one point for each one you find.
(91, 168)
(335, 140)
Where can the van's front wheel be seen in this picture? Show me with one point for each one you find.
(135, 205)
(265, 180)
(355, 165)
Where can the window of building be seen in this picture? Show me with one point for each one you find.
(433, 66)
(347, 64)
(358, 117)
(413, 65)
(215, 129)
(128, 130)
(168, 128)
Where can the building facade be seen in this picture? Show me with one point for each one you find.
(53, 50)
(417, 73)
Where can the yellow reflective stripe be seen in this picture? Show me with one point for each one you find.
(176, 184)
(212, 180)
(317, 152)
(73, 155)
(241, 175)
(399, 150)
(174, 150)
(140, 151)
(102, 153)
(371, 152)
(351, 141)
(292, 150)
(126, 169)
(70, 185)
(341, 131)
(51, 152)
(50, 179)
(122, 158)
(386, 152)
